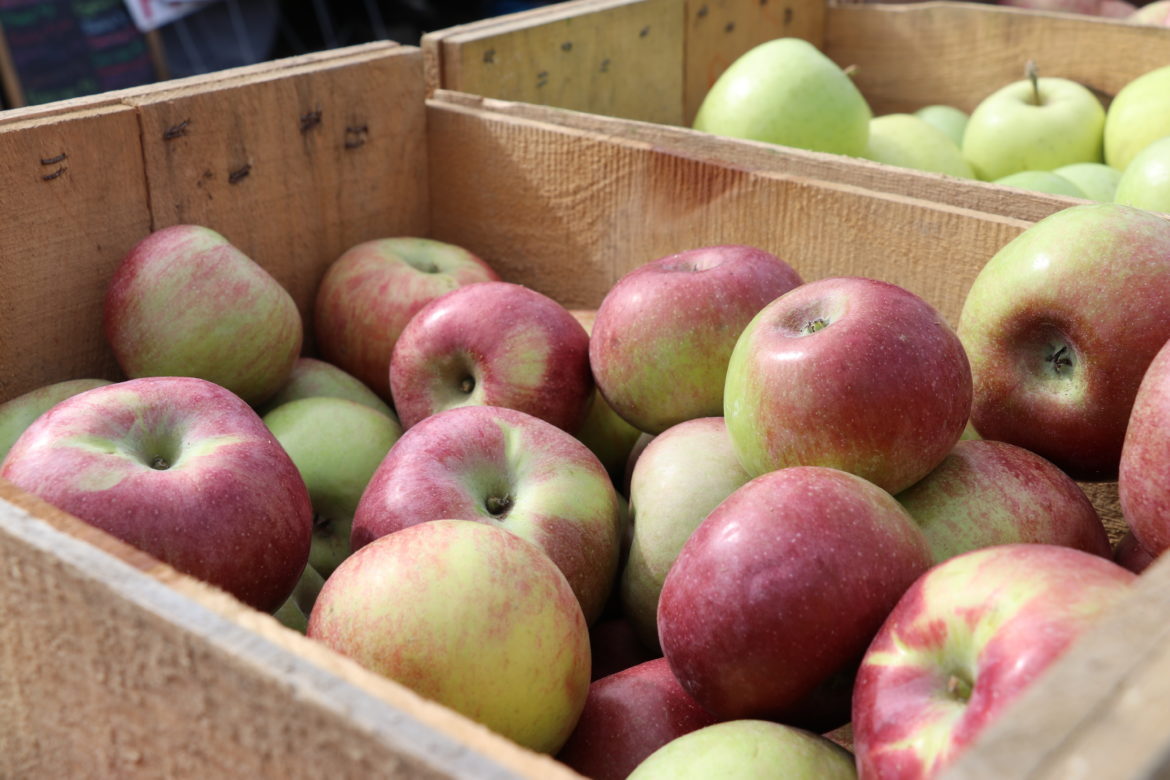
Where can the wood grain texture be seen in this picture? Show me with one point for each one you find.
(719, 31)
(1100, 710)
(117, 666)
(913, 55)
(615, 57)
(295, 165)
(73, 196)
(569, 211)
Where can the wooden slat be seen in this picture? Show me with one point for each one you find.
(719, 31)
(570, 210)
(66, 223)
(116, 666)
(615, 57)
(956, 54)
(294, 165)
(1100, 711)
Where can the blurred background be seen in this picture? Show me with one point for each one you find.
(57, 49)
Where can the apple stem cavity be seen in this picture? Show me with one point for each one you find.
(159, 463)
(467, 384)
(812, 326)
(1061, 360)
(322, 526)
(959, 687)
(1032, 74)
(498, 505)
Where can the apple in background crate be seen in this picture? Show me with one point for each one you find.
(988, 493)
(1097, 181)
(180, 468)
(1138, 116)
(951, 120)
(908, 141)
(785, 91)
(852, 373)
(470, 616)
(664, 332)
(185, 302)
(508, 469)
(966, 640)
(627, 716)
(369, 294)
(20, 412)
(1146, 180)
(1042, 181)
(1036, 124)
(783, 586)
(495, 344)
(1060, 325)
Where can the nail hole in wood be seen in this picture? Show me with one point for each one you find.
(54, 160)
(644, 31)
(310, 120)
(355, 136)
(542, 78)
(605, 65)
(176, 131)
(567, 46)
(787, 16)
(703, 11)
(730, 27)
(489, 56)
(239, 174)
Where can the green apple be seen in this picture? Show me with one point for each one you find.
(747, 749)
(1042, 181)
(307, 589)
(336, 445)
(1097, 180)
(910, 142)
(1036, 124)
(1157, 12)
(292, 616)
(951, 120)
(1138, 116)
(311, 377)
(1146, 180)
(785, 91)
(19, 413)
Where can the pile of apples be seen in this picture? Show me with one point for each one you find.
(725, 514)
(1045, 134)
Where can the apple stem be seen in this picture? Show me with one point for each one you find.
(1033, 75)
(1061, 360)
(812, 326)
(467, 384)
(851, 70)
(159, 463)
(498, 505)
(959, 687)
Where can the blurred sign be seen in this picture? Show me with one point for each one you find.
(151, 14)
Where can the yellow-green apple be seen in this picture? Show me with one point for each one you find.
(509, 469)
(951, 120)
(290, 615)
(19, 413)
(627, 716)
(181, 468)
(313, 378)
(470, 616)
(785, 91)
(369, 294)
(1130, 554)
(783, 586)
(1097, 181)
(748, 749)
(1145, 459)
(186, 302)
(665, 330)
(964, 642)
(337, 445)
(684, 473)
(1036, 124)
(1138, 115)
(852, 373)
(1157, 12)
(1060, 325)
(987, 493)
(1145, 183)
(908, 141)
(493, 344)
(1041, 181)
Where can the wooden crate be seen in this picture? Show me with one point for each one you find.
(654, 60)
(114, 665)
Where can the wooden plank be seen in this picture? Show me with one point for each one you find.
(1100, 710)
(719, 31)
(293, 165)
(569, 210)
(116, 666)
(73, 200)
(615, 57)
(956, 54)
(962, 193)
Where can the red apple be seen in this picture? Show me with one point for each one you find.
(369, 294)
(181, 468)
(963, 642)
(783, 586)
(1142, 485)
(494, 344)
(849, 373)
(185, 302)
(506, 468)
(664, 332)
(627, 717)
(1130, 554)
(1060, 325)
(987, 493)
